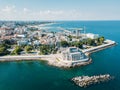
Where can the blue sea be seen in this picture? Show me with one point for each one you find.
(37, 75)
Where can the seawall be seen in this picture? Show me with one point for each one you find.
(110, 43)
(21, 58)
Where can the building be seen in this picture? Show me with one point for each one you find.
(20, 30)
(22, 42)
(21, 35)
(6, 31)
(36, 42)
(92, 36)
(73, 54)
(78, 32)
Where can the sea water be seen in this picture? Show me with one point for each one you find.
(37, 75)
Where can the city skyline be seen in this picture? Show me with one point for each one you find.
(59, 10)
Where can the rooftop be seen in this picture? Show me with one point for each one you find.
(73, 50)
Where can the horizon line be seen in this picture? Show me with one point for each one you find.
(58, 20)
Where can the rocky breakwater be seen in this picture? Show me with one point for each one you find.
(84, 81)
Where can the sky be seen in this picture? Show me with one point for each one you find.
(59, 9)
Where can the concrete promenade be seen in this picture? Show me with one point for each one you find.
(25, 57)
(108, 44)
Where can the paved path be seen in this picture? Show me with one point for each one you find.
(20, 57)
(97, 48)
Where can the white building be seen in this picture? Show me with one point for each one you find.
(92, 36)
(21, 35)
(73, 54)
(23, 42)
(36, 42)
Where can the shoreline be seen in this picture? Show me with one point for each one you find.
(55, 59)
(50, 59)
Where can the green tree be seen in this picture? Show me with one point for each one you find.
(28, 48)
(89, 41)
(64, 43)
(3, 49)
(101, 40)
(78, 44)
(70, 37)
(17, 50)
(45, 49)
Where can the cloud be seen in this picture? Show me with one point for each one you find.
(8, 9)
(26, 10)
(51, 12)
(12, 13)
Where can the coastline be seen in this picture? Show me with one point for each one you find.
(55, 59)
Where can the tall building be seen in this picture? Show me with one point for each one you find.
(79, 31)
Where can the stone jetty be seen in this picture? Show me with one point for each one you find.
(84, 81)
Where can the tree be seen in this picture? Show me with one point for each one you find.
(64, 43)
(70, 37)
(89, 41)
(28, 49)
(78, 44)
(3, 50)
(17, 50)
(44, 49)
(47, 49)
(101, 40)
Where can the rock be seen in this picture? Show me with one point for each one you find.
(84, 81)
